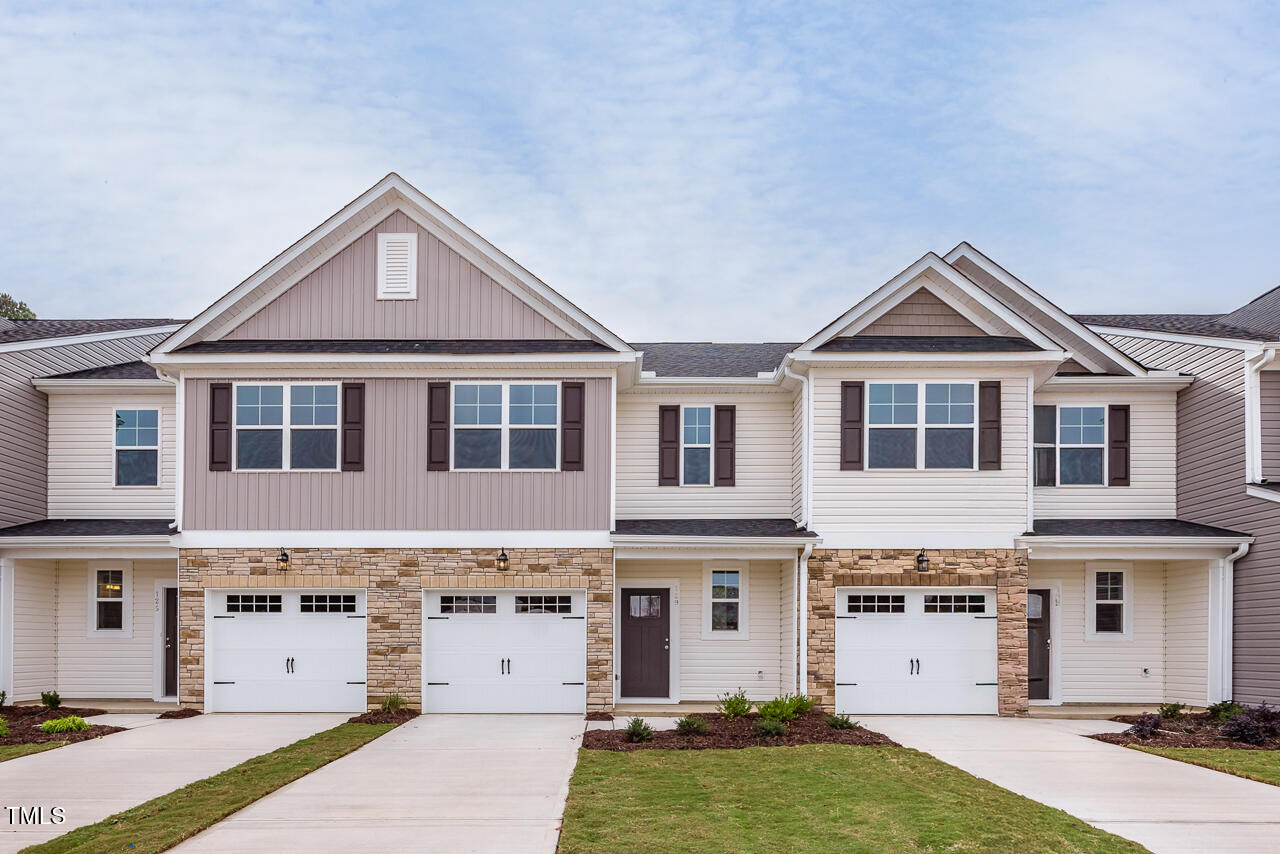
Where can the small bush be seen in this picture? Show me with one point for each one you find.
(50, 700)
(786, 708)
(1146, 726)
(1172, 710)
(735, 705)
(841, 722)
(1254, 725)
(4, 728)
(392, 703)
(1225, 711)
(691, 726)
(3, 696)
(637, 730)
(71, 724)
(770, 728)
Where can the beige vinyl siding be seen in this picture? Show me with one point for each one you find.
(1152, 489)
(1187, 633)
(709, 668)
(922, 313)
(789, 607)
(872, 502)
(34, 629)
(82, 454)
(797, 455)
(764, 467)
(1269, 388)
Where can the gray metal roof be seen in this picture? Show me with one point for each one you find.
(34, 330)
(707, 359)
(928, 344)
(1127, 528)
(90, 528)
(124, 371)
(711, 528)
(460, 347)
(1211, 325)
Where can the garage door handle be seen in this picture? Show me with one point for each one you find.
(508, 667)
(502, 666)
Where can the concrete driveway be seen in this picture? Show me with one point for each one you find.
(93, 779)
(1166, 805)
(447, 783)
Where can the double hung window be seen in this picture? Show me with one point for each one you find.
(1070, 445)
(506, 426)
(286, 427)
(137, 447)
(695, 450)
(904, 434)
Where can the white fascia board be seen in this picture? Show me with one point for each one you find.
(1162, 381)
(709, 548)
(664, 541)
(766, 383)
(68, 340)
(914, 539)
(369, 539)
(1255, 491)
(802, 357)
(269, 360)
(22, 546)
(1131, 548)
(1249, 346)
(335, 371)
(53, 386)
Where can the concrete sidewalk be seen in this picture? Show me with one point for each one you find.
(91, 780)
(1166, 805)
(446, 783)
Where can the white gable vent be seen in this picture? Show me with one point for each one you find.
(397, 266)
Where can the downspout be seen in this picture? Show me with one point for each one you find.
(802, 584)
(1226, 611)
(1253, 413)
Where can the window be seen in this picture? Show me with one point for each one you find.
(896, 437)
(1109, 592)
(109, 600)
(544, 604)
(948, 603)
(137, 447)
(506, 426)
(253, 603)
(1070, 445)
(724, 609)
(468, 604)
(310, 420)
(695, 452)
(328, 603)
(645, 607)
(877, 603)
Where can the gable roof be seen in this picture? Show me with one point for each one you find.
(706, 359)
(1209, 325)
(123, 371)
(326, 240)
(18, 331)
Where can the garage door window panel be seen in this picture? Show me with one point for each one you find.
(948, 603)
(468, 604)
(876, 603)
(544, 604)
(254, 603)
(328, 603)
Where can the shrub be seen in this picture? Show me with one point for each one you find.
(841, 722)
(3, 696)
(4, 728)
(1172, 710)
(770, 727)
(691, 726)
(1146, 726)
(1254, 725)
(71, 724)
(735, 705)
(50, 700)
(1225, 711)
(637, 730)
(392, 703)
(786, 708)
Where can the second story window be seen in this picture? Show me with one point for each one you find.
(695, 455)
(309, 421)
(897, 438)
(137, 447)
(1070, 445)
(499, 426)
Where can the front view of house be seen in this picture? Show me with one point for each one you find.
(392, 461)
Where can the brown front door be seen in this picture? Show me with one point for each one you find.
(646, 642)
(1039, 606)
(171, 641)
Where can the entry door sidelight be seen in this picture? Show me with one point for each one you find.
(1039, 607)
(646, 642)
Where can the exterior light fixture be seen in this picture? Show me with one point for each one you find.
(922, 562)
(504, 562)
(282, 560)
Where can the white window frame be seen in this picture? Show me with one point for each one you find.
(1058, 446)
(919, 426)
(286, 427)
(383, 239)
(1091, 568)
(710, 446)
(505, 427)
(125, 568)
(115, 449)
(709, 568)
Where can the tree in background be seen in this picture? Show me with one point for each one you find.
(15, 309)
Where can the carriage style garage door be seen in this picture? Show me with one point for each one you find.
(495, 651)
(286, 651)
(916, 651)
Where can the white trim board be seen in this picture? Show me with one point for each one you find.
(157, 687)
(89, 338)
(390, 539)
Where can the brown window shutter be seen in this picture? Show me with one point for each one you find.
(726, 425)
(1045, 432)
(573, 417)
(851, 425)
(989, 425)
(219, 426)
(437, 426)
(353, 426)
(1117, 445)
(668, 446)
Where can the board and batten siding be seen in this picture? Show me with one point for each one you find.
(764, 468)
(455, 299)
(760, 665)
(24, 447)
(395, 491)
(1269, 388)
(82, 451)
(1153, 457)
(872, 503)
(35, 648)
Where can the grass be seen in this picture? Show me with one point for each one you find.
(161, 823)
(13, 751)
(815, 798)
(1260, 765)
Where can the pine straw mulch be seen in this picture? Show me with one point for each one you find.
(24, 725)
(809, 728)
(1194, 730)
(380, 717)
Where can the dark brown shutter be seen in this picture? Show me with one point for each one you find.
(437, 426)
(989, 425)
(851, 426)
(353, 426)
(573, 417)
(1044, 432)
(668, 446)
(1117, 445)
(219, 426)
(726, 444)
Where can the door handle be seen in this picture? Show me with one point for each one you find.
(286, 664)
(502, 666)
(917, 667)
(508, 667)
(911, 664)
(291, 670)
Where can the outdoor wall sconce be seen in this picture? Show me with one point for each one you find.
(504, 562)
(922, 562)
(282, 560)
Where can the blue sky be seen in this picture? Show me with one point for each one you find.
(682, 171)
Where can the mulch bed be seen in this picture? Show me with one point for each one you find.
(381, 717)
(809, 728)
(1195, 730)
(599, 716)
(174, 714)
(24, 725)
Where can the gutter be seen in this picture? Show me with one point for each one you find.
(1253, 412)
(802, 577)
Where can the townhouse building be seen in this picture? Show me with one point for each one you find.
(393, 461)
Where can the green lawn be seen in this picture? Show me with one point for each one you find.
(816, 798)
(161, 823)
(1260, 765)
(13, 751)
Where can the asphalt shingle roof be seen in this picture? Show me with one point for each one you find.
(90, 528)
(705, 359)
(928, 344)
(1210, 325)
(1127, 528)
(711, 528)
(34, 330)
(124, 371)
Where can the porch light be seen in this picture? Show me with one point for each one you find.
(922, 562)
(282, 560)
(504, 562)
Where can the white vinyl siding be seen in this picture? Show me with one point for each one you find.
(1153, 449)
(1187, 630)
(34, 642)
(82, 456)
(764, 465)
(797, 455)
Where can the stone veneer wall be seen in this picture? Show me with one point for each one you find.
(1003, 569)
(394, 580)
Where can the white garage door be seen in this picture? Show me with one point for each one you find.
(916, 651)
(493, 651)
(286, 651)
